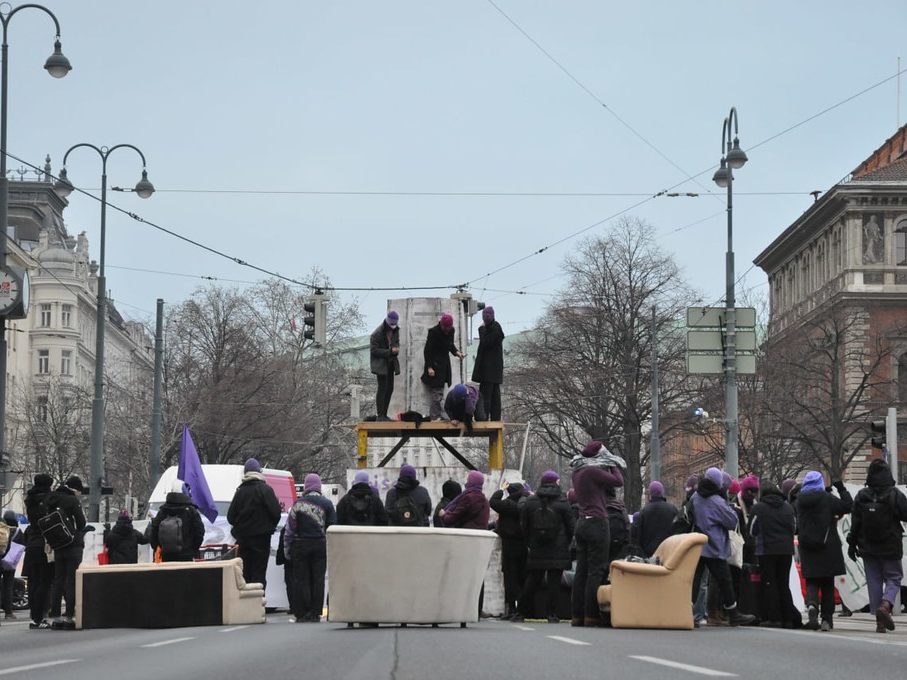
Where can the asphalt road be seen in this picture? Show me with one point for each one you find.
(489, 649)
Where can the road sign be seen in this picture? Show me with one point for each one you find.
(713, 340)
(713, 364)
(713, 317)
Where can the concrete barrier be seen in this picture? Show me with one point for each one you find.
(406, 575)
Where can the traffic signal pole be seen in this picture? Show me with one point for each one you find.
(891, 438)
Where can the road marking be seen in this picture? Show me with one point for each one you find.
(46, 664)
(168, 642)
(230, 630)
(523, 627)
(569, 641)
(684, 667)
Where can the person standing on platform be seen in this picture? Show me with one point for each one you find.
(384, 348)
(437, 374)
(489, 367)
(254, 515)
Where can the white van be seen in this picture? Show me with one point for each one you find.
(223, 480)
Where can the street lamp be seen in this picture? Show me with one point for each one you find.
(58, 66)
(732, 158)
(64, 187)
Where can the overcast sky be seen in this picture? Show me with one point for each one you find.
(410, 96)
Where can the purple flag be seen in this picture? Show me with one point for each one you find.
(190, 471)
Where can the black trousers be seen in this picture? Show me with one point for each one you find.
(593, 537)
(254, 552)
(40, 583)
(513, 564)
(66, 561)
(721, 576)
(491, 399)
(776, 602)
(552, 579)
(310, 561)
(7, 589)
(385, 392)
(827, 586)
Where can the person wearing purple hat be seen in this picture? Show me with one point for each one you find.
(470, 509)
(746, 589)
(655, 519)
(360, 506)
(384, 350)
(407, 502)
(254, 515)
(488, 370)
(123, 540)
(305, 546)
(773, 528)
(513, 542)
(439, 344)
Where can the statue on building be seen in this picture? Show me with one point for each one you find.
(873, 241)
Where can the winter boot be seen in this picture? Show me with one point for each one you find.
(813, 623)
(509, 611)
(826, 625)
(735, 618)
(883, 616)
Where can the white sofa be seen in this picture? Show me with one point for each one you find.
(406, 575)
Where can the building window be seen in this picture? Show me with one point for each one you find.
(43, 361)
(66, 362)
(42, 408)
(45, 316)
(66, 316)
(900, 235)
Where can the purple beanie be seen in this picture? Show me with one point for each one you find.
(656, 490)
(360, 477)
(714, 476)
(750, 483)
(446, 322)
(475, 480)
(787, 485)
(692, 482)
(407, 470)
(252, 465)
(549, 477)
(312, 483)
(392, 318)
(488, 315)
(592, 448)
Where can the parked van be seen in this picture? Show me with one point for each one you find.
(222, 481)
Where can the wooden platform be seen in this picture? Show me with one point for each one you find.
(438, 430)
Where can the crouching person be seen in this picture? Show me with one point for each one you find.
(305, 545)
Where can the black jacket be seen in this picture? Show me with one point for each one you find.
(361, 507)
(180, 505)
(508, 509)
(489, 366)
(547, 554)
(654, 524)
(818, 509)
(65, 500)
(449, 490)
(420, 498)
(438, 345)
(381, 360)
(879, 491)
(35, 508)
(773, 524)
(122, 542)
(254, 510)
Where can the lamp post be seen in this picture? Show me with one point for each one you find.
(732, 158)
(64, 187)
(58, 66)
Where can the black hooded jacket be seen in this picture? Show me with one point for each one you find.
(545, 553)
(65, 500)
(654, 524)
(773, 524)
(122, 542)
(814, 510)
(180, 505)
(254, 510)
(878, 511)
(508, 509)
(35, 509)
(449, 490)
(419, 494)
(361, 507)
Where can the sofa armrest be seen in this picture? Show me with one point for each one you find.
(640, 568)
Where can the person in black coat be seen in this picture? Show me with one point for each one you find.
(35, 567)
(773, 528)
(488, 370)
(437, 374)
(360, 506)
(413, 512)
(67, 559)
(178, 504)
(513, 542)
(548, 524)
(123, 541)
(254, 515)
(655, 519)
(449, 490)
(876, 536)
(384, 348)
(821, 556)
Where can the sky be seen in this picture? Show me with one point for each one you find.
(361, 115)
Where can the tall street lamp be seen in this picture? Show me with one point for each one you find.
(58, 66)
(64, 187)
(732, 158)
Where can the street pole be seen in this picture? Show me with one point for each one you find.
(655, 445)
(154, 472)
(891, 438)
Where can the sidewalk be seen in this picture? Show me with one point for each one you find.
(865, 624)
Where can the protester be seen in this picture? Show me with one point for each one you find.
(876, 536)
(773, 528)
(786, 487)
(513, 543)
(548, 524)
(16, 545)
(714, 517)
(35, 566)
(470, 509)
(746, 578)
(360, 506)
(67, 559)
(407, 503)
(618, 529)
(437, 374)
(177, 528)
(463, 405)
(254, 515)
(449, 490)
(595, 470)
(305, 545)
(655, 519)
(122, 541)
(488, 370)
(384, 348)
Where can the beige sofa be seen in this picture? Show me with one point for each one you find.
(406, 575)
(654, 596)
(166, 595)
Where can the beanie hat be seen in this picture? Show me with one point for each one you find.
(515, 488)
(124, 514)
(312, 483)
(408, 470)
(750, 483)
(656, 490)
(76, 484)
(459, 390)
(692, 482)
(592, 448)
(813, 481)
(787, 485)
(488, 315)
(446, 322)
(11, 518)
(714, 476)
(451, 489)
(43, 480)
(549, 477)
(725, 480)
(734, 488)
(475, 480)
(360, 477)
(392, 319)
(252, 465)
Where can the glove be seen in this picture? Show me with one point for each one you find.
(839, 485)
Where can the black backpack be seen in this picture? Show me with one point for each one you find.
(878, 518)
(407, 511)
(546, 524)
(361, 507)
(170, 535)
(685, 522)
(57, 529)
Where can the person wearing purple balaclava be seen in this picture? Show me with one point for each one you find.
(439, 345)
(253, 516)
(361, 506)
(488, 370)
(384, 348)
(407, 503)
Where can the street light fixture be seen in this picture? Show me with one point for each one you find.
(58, 66)
(64, 187)
(732, 158)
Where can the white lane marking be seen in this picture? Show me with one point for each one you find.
(684, 667)
(168, 642)
(523, 627)
(569, 641)
(230, 630)
(31, 667)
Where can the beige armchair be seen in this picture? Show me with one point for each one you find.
(654, 595)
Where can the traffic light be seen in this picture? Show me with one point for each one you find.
(878, 426)
(315, 319)
(309, 320)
